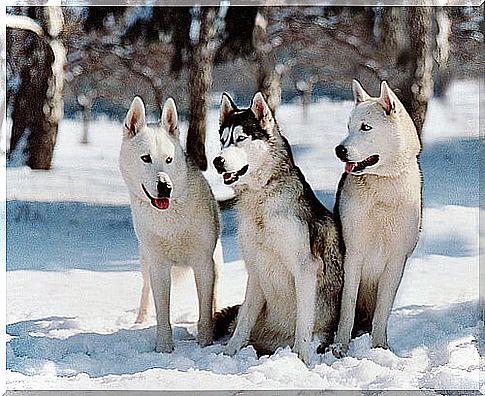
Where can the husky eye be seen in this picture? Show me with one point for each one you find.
(146, 158)
(365, 127)
(169, 160)
(241, 138)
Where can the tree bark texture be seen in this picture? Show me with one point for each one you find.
(442, 51)
(418, 88)
(200, 82)
(38, 106)
(390, 31)
(27, 109)
(269, 78)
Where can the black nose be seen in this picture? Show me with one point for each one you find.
(341, 152)
(164, 189)
(219, 164)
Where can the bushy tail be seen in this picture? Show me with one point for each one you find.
(225, 321)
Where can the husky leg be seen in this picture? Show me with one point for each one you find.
(305, 286)
(145, 291)
(204, 281)
(160, 282)
(248, 314)
(386, 292)
(352, 275)
(218, 262)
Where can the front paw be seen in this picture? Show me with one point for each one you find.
(233, 347)
(303, 352)
(140, 318)
(323, 348)
(165, 347)
(380, 344)
(339, 350)
(204, 339)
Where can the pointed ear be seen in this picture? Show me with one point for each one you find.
(262, 112)
(388, 99)
(227, 106)
(135, 118)
(170, 117)
(359, 93)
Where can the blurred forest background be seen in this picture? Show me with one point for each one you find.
(67, 61)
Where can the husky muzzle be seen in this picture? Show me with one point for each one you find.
(354, 166)
(232, 164)
(164, 190)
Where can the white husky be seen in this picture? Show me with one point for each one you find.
(379, 204)
(175, 216)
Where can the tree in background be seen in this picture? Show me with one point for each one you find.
(410, 47)
(38, 105)
(3, 88)
(119, 52)
(413, 48)
(203, 51)
(195, 39)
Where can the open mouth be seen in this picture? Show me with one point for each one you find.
(160, 203)
(360, 166)
(231, 177)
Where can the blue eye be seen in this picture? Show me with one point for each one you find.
(365, 127)
(146, 158)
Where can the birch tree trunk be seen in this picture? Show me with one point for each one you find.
(418, 88)
(200, 81)
(442, 51)
(390, 31)
(269, 78)
(86, 101)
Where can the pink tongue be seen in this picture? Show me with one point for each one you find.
(161, 203)
(349, 166)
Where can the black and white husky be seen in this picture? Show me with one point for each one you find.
(289, 241)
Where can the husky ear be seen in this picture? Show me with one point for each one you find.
(135, 118)
(262, 112)
(388, 99)
(227, 106)
(170, 117)
(359, 93)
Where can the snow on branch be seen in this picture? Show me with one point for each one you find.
(24, 23)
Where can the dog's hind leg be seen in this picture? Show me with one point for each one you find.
(204, 281)
(145, 291)
(305, 287)
(366, 304)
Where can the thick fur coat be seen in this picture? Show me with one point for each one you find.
(379, 207)
(175, 217)
(288, 239)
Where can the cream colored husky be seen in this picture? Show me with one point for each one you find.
(379, 205)
(175, 217)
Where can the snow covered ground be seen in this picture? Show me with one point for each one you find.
(73, 282)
